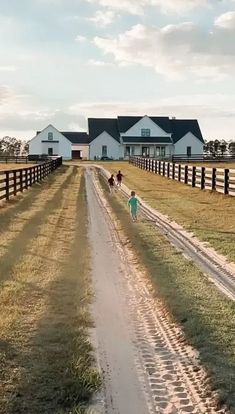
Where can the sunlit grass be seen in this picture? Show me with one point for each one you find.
(209, 215)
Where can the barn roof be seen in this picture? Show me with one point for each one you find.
(77, 137)
(126, 122)
(99, 125)
(181, 127)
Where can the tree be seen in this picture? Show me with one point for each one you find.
(231, 148)
(223, 147)
(11, 146)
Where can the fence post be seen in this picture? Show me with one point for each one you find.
(186, 174)
(164, 169)
(194, 176)
(203, 182)
(159, 167)
(173, 171)
(26, 177)
(226, 181)
(7, 185)
(21, 181)
(15, 187)
(179, 172)
(213, 185)
(168, 170)
(30, 177)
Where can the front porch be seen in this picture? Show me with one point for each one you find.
(153, 151)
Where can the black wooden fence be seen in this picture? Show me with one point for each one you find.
(205, 178)
(18, 180)
(14, 159)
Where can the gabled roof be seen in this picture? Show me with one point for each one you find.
(74, 137)
(77, 137)
(126, 122)
(147, 140)
(99, 125)
(181, 127)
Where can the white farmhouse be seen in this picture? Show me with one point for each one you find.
(144, 136)
(118, 138)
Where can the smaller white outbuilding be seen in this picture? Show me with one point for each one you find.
(51, 142)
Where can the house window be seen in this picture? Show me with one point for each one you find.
(104, 151)
(158, 151)
(127, 151)
(145, 132)
(189, 151)
(50, 151)
(50, 136)
(145, 151)
(133, 150)
(163, 151)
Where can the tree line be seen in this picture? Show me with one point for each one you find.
(11, 146)
(216, 148)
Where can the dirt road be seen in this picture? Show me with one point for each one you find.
(146, 365)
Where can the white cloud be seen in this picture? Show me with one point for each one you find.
(226, 21)
(103, 18)
(138, 6)
(7, 68)
(81, 39)
(175, 51)
(99, 63)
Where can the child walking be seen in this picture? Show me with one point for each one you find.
(133, 204)
(119, 177)
(111, 182)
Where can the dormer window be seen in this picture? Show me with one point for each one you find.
(50, 136)
(145, 132)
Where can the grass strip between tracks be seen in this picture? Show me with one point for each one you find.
(46, 359)
(206, 316)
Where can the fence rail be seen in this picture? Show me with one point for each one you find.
(13, 159)
(18, 180)
(202, 158)
(205, 178)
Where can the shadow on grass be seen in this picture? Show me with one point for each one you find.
(59, 374)
(20, 244)
(206, 316)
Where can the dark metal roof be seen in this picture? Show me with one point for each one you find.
(181, 127)
(126, 122)
(77, 137)
(99, 125)
(147, 140)
(74, 137)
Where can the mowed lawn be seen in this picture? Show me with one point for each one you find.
(209, 215)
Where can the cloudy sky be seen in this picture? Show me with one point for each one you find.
(64, 60)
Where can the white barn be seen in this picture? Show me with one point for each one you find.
(69, 145)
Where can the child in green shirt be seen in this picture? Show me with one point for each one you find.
(133, 204)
